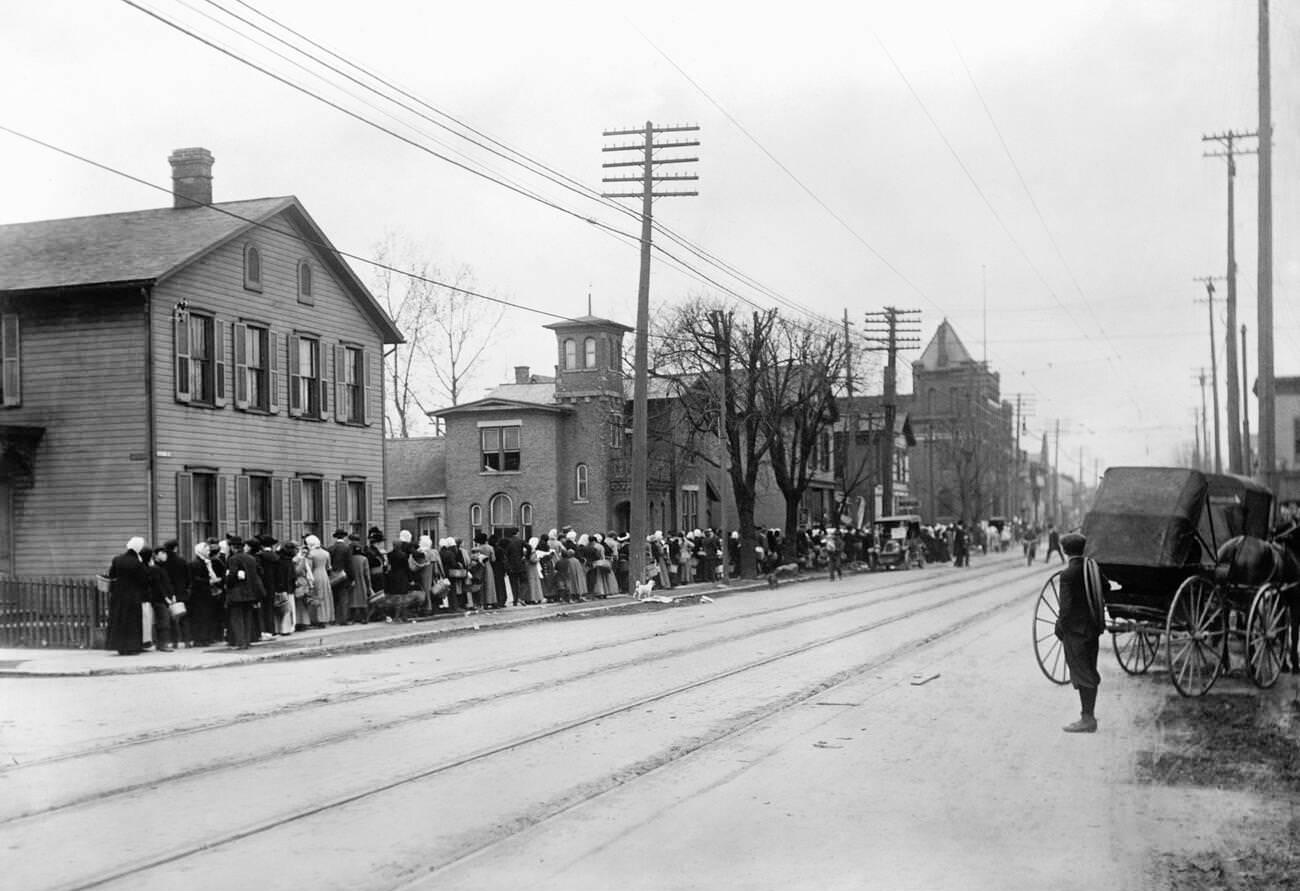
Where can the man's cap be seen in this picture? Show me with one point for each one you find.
(1072, 544)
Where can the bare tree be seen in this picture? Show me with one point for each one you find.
(447, 332)
(461, 329)
(803, 370)
(716, 364)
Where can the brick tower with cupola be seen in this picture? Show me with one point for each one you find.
(590, 383)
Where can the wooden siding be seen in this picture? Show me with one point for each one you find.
(84, 381)
(234, 441)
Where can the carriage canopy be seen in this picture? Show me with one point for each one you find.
(1171, 516)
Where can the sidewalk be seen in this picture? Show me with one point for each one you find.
(31, 662)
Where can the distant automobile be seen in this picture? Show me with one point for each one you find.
(900, 542)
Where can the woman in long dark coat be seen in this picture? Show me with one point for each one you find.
(203, 605)
(243, 590)
(128, 588)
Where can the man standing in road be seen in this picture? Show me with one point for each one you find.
(1079, 626)
(1053, 544)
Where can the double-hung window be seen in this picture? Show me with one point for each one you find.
(308, 384)
(351, 407)
(500, 447)
(11, 356)
(200, 363)
(257, 373)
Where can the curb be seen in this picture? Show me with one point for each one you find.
(412, 637)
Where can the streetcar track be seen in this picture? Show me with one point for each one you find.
(98, 747)
(344, 736)
(675, 752)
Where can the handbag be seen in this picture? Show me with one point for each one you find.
(337, 578)
(441, 587)
(377, 597)
(176, 608)
(456, 573)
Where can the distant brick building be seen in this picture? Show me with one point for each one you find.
(963, 465)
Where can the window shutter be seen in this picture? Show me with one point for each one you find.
(220, 396)
(324, 353)
(273, 373)
(185, 512)
(242, 525)
(12, 382)
(374, 383)
(327, 524)
(340, 382)
(222, 509)
(342, 501)
(240, 332)
(374, 510)
(295, 508)
(181, 330)
(279, 528)
(295, 377)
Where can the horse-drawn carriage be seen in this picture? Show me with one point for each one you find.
(1191, 569)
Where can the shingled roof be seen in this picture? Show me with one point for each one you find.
(146, 246)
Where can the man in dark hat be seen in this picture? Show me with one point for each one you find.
(342, 575)
(1079, 626)
(243, 591)
(268, 564)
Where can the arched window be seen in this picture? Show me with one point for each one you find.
(501, 512)
(526, 520)
(252, 267)
(475, 518)
(304, 282)
(589, 353)
(580, 483)
(570, 353)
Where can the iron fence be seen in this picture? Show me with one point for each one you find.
(66, 613)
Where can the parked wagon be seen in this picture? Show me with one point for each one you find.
(1191, 571)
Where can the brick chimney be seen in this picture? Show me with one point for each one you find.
(191, 177)
(522, 374)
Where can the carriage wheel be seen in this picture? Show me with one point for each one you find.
(1196, 636)
(1047, 646)
(1135, 648)
(1268, 636)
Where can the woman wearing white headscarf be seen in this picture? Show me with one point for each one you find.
(319, 559)
(533, 571)
(575, 574)
(204, 604)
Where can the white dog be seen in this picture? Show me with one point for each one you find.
(642, 591)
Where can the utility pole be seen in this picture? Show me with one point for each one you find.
(640, 458)
(1056, 475)
(892, 329)
(1236, 454)
(1204, 436)
(1264, 288)
(1214, 370)
(851, 439)
(1024, 408)
(1245, 409)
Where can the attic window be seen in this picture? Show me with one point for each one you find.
(304, 282)
(252, 267)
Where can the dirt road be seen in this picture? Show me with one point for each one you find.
(886, 731)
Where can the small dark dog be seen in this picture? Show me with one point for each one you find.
(785, 570)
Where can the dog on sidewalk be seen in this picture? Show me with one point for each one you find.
(642, 591)
(785, 570)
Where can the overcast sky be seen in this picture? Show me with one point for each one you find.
(853, 156)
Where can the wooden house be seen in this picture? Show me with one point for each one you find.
(183, 372)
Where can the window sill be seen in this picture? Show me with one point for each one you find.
(582, 501)
(500, 472)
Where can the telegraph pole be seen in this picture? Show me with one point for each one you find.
(1264, 288)
(1024, 408)
(892, 329)
(1204, 431)
(1214, 370)
(852, 438)
(1056, 475)
(1235, 452)
(647, 194)
(1245, 408)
